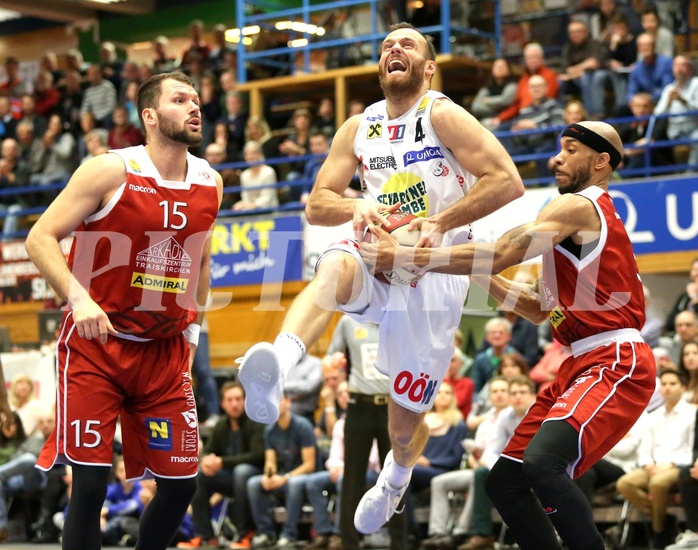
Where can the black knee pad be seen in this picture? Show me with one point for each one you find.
(177, 492)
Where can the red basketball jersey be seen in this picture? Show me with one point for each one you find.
(594, 288)
(140, 255)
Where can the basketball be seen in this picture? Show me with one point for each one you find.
(398, 230)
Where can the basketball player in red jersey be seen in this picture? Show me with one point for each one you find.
(138, 268)
(591, 292)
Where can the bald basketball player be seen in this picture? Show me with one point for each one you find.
(591, 293)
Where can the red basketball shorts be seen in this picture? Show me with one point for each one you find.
(601, 393)
(147, 383)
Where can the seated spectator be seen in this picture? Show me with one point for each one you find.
(511, 365)
(14, 172)
(463, 386)
(686, 325)
(333, 374)
(110, 64)
(289, 457)
(687, 300)
(325, 120)
(635, 138)
(46, 95)
(131, 105)
(198, 47)
(210, 104)
(601, 23)
(71, 101)
(543, 113)
(319, 146)
(678, 98)
(259, 174)
(123, 133)
(122, 508)
(96, 143)
(297, 143)
(303, 385)
(257, 129)
(99, 98)
(497, 94)
(8, 123)
(215, 155)
(666, 444)
(688, 365)
(622, 50)
(235, 120)
(163, 62)
(462, 479)
(498, 339)
(545, 371)
(663, 36)
(355, 107)
(584, 59)
(24, 402)
(652, 72)
(522, 394)
(216, 61)
(59, 154)
(233, 453)
(30, 148)
(13, 85)
(534, 64)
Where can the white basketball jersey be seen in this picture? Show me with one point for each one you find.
(403, 160)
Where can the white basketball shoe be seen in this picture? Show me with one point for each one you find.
(260, 375)
(379, 503)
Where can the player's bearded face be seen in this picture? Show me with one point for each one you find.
(179, 134)
(412, 83)
(576, 180)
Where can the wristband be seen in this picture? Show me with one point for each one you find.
(287, 476)
(191, 333)
(330, 409)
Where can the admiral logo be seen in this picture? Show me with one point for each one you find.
(556, 316)
(374, 131)
(159, 433)
(425, 154)
(156, 282)
(441, 170)
(141, 189)
(377, 163)
(396, 133)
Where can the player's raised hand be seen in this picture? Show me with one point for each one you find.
(91, 321)
(368, 213)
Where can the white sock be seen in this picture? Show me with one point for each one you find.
(289, 349)
(397, 476)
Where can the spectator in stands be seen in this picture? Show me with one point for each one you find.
(14, 172)
(635, 138)
(227, 82)
(584, 60)
(574, 112)
(123, 133)
(30, 148)
(687, 300)
(131, 72)
(686, 325)
(235, 120)
(95, 143)
(511, 365)
(110, 64)
(544, 372)
(461, 384)
(71, 101)
(303, 387)
(163, 62)
(257, 129)
(197, 48)
(76, 62)
(333, 374)
(198, 70)
(13, 85)
(666, 445)
(122, 508)
(59, 154)
(297, 143)
(355, 107)
(131, 104)
(145, 71)
(24, 402)
(8, 123)
(46, 96)
(663, 36)
(259, 174)
(215, 155)
(49, 63)
(320, 147)
(622, 55)
(498, 93)
(688, 365)
(217, 56)
(542, 114)
(522, 394)
(233, 453)
(210, 104)
(99, 98)
(534, 64)
(652, 72)
(462, 480)
(325, 119)
(498, 338)
(329, 481)
(601, 23)
(87, 124)
(678, 98)
(29, 113)
(289, 455)
(620, 460)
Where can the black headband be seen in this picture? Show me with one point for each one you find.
(594, 141)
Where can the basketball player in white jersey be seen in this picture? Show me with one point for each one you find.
(419, 152)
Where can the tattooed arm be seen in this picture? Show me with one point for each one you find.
(565, 216)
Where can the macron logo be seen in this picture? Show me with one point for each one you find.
(141, 189)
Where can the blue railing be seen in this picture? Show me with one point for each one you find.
(647, 170)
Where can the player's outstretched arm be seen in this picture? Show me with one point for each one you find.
(88, 190)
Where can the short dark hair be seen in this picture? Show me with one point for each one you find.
(650, 9)
(523, 380)
(681, 376)
(229, 385)
(149, 92)
(431, 49)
